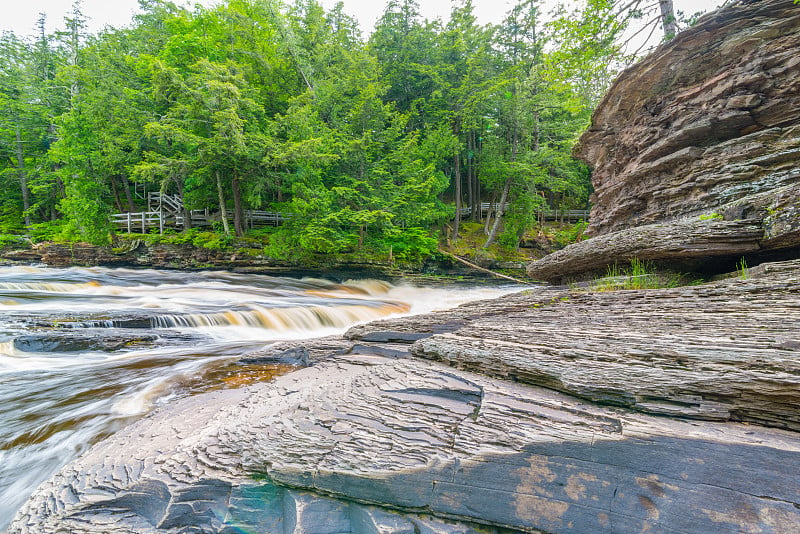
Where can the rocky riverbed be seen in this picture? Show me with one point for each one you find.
(555, 410)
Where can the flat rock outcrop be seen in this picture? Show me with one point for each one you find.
(634, 411)
(708, 126)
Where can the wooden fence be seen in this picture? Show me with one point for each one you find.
(547, 214)
(166, 211)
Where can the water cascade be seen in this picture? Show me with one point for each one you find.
(84, 351)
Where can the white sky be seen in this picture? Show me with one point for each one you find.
(20, 15)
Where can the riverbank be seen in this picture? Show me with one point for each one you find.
(553, 410)
(243, 259)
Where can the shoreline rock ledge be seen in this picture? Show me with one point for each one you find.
(662, 411)
(695, 151)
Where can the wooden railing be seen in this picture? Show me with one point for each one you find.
(144, 221)
(166, 211)
(139, 222)
(547, 214)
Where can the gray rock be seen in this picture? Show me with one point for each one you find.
(688, 242)
(371, 444)
(709, 123)
(74, 342)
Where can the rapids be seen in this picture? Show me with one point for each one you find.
(85, 351)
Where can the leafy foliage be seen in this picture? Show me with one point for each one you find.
(255, 104)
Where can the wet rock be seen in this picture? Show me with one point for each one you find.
(646, 440)
(75, 342)
(293, 356)
(393, 337)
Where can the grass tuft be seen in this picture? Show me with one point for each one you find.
(639, 275)
(742, 269)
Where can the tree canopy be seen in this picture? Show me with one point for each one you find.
(266, 105)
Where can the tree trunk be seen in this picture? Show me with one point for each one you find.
(489, 214)
(238, 212)
(62, 189)
(187, 213)
(477, 148)
(668, 21)
(499, 216)
(223, 211)
(470, 191)
(477, 194)
(126, 188)
(457, 178)
(23, 178)
(115, 193)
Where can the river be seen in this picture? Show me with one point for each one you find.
(86, 351)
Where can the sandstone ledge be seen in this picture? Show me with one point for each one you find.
(691, 242)
(710, 118)
(755, 226)
(372, 440)
(372, 444)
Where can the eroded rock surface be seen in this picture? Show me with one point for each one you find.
(709, 119)
(706, 126)
(369, 439)
(370, 444)
(729, 350)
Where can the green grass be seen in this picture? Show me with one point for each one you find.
(470, 245)
(639, 275)
(741, 269)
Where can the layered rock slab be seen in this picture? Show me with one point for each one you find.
(374, 444)
(710, 118)
(728, 350)
(707, 126)
(687, 243)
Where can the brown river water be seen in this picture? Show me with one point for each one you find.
(85, 351)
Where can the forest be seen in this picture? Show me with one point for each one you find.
(384, 143)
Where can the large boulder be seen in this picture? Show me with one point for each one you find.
(705, 128)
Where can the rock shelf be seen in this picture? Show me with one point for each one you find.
(592, 412)
(696, 144)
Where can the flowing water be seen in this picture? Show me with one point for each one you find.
(85, 351)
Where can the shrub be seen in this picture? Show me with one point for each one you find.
(570, 234)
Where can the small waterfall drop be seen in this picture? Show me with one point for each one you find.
(83, 351)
